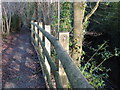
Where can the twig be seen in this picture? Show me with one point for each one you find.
(100, 64)
(92, 12)
(93, 55)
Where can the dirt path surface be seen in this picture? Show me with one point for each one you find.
(19, 63)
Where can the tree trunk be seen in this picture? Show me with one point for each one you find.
(78, 34)
(36, 11)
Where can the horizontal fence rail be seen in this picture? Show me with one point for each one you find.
(75, 77)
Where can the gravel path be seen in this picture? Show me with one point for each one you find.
(19, 63)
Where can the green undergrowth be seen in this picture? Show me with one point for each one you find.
(93, 69)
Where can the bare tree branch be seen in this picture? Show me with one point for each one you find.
(87, 17)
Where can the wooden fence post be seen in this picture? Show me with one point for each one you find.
(47, 45)
(32, 27)
(36, 30)
(40, 35)
(0, 46)
(64, 40)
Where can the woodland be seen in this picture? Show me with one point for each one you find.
(94, 34)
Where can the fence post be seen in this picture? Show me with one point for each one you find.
(0, 61)
(32, 27)
(36, 30)
(40, 35)
(64, 40)
(47, 45)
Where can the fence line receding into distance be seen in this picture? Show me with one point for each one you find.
(72, 72)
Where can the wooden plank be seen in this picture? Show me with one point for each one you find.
(64, 40)
(36, 30)
(1, 45)
(47, 45)
(40, 35)
(0, 16)
(32, 28)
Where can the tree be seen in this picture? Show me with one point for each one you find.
(79, 9)
(36, 10)
(6, 20)
(79, 28)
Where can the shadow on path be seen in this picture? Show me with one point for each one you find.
(19, 62)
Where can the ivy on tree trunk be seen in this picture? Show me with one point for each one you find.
(79, 8)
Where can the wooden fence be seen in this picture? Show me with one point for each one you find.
(41, 40)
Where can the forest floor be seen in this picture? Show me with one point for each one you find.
(20, 62)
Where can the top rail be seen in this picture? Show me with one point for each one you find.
(75, 77)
